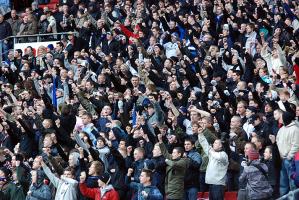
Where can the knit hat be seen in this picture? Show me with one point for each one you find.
(253, 155)
(51, 46)
(105, 178)
(252, 109)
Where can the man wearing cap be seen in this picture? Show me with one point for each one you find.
(255, 177)
(261, 128)
(248, 126)
(105, 190)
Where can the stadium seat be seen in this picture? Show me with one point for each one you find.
(227, 196)
(51, 5)
(230, 196)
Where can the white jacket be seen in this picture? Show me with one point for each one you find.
(67, 188)
(218, 163)
(287, 140)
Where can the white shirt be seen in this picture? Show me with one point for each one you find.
(170, 49)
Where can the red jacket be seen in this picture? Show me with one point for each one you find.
(296, 69)
(95, 193)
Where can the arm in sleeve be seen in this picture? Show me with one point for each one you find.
(56, 181)
(294, 144)
(159, 112)
(70, 180)
(44, 194)
(180, 164)
(204, 143)
(155, 194)
(164, 151)
(87, 192)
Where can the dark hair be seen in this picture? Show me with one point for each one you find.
(189, 139)
(103, 139)
(180, 150)
(60, 44)
(70, 169)
(88, 115)
(148, 173)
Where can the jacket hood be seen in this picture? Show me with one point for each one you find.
(106, 189)
(287, 118)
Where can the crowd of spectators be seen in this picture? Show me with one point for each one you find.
(151, 100)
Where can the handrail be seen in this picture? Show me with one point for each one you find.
(27, 36)
(290, 194)
(37, 35)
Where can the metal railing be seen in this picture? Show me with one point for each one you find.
(292, 195)
(39, 38)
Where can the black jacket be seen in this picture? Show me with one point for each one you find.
(5, 30)
(112, 47)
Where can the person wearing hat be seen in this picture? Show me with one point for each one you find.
(255, 175)
(105, 190)
(261, 128)
(145, 190)
(38, 189)
(248, 126)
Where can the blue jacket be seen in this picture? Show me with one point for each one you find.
(152, 191)
(295, 169)
(192, 177)
(137, 166)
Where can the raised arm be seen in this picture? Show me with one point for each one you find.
(56, 181)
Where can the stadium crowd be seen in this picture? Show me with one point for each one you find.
(151, 100)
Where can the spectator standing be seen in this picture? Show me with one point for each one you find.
(145, 190)
(175, 171)
(38, 189)
(288, 144)
(192, 176)
(217, 167)
(105, 190)
(14, 22)
(5, 31)
(256, 178)
(66, 185)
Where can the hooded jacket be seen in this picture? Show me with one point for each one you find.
(175, 173)
(39, 190)
(106, 193)
(257, 184)
(66, 187)
(218, 163)
(288, 140)
(152, 191)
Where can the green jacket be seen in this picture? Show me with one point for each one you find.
(175, 173)
(205, 159)
(87, 105)
(12, 192)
